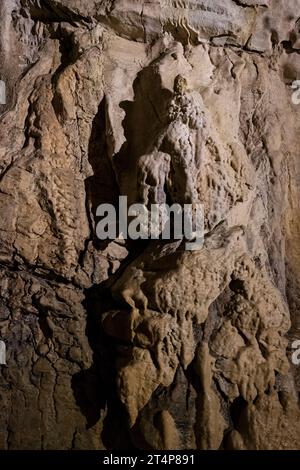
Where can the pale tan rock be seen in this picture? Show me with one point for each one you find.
(159, 101)
(210, 425)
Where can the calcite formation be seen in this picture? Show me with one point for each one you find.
(124, 344)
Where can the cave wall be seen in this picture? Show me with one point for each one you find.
(122, 344)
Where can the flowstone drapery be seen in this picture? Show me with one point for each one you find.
(161, 101)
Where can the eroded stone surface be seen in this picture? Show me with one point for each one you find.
(185, 102)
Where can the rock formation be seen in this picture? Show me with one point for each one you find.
(124, 344)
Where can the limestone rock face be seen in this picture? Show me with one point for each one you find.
(187, 102)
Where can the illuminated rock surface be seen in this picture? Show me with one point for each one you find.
(124, 344)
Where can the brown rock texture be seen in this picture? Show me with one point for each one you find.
(125, 344)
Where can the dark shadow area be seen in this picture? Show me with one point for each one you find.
(236, 409)
(101, 187)
(146, 118)
(49, 12)
(88, 393)
(95, 389)
(92, 387)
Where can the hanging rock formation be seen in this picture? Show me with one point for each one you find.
(161, 101)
